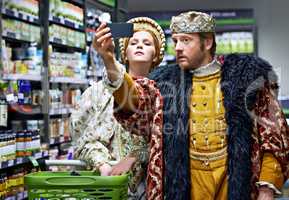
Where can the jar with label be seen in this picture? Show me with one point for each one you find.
(16, 125)
(28, 143)
(11, 146)
(20, 144)
(3, 111)
(3, 188)
(32, 124)
(2, 147)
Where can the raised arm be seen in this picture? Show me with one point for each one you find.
(122, 85)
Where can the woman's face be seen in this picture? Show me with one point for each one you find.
(141, 48)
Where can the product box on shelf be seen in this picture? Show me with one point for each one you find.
(67, 65)
(20, 30)
(26, 7)
(66, 12)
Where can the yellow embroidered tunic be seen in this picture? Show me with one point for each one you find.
(208, 142)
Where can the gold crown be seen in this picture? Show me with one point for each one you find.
(145, 24)
(192, 22)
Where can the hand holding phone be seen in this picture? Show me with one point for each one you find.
(120, 30)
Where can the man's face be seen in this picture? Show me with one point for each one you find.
(190, 52)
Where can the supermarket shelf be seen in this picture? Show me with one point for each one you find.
(230, 28)
(104, 4)
(59, 140)
(22, 160)
(60, 111)
(101, 6)
(20, 16)
(58, 43)
(76, 2)
(66, 23)
(20, 196)
(25, 109)
(68, 80)
(28, 77)
(12, 37)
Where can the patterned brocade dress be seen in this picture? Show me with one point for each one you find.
(98, 138)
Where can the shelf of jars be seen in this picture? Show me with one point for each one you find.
(70, 80)
(59, 140)
(22, 160)
(15, 77)
(60, 111)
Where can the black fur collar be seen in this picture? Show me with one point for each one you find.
(238, 74)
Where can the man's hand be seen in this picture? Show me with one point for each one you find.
(105, 169)
(265, 193)
(103, 42)
(123, 166)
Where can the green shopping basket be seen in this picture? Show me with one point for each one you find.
(83, 185)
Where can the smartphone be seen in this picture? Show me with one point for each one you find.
(119, 30)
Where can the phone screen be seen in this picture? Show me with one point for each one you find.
(119, 30)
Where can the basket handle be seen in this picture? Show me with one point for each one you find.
(65, 163)
(70, 181)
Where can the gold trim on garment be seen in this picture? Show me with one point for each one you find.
(207, 157)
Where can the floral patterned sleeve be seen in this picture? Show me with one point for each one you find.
(88, 136)
(273, 138)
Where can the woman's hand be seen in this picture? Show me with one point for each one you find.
(105, 169)
(265, 193)
(103, 42)
(123, 166)
(104, 45)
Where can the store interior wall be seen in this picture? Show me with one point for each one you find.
(271, 19)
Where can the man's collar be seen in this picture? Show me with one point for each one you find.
(207, 69)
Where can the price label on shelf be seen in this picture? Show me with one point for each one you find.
(25, 17)
(15, 13)
(11, 198)
(20, 195)
(19, 161)
(38, 155)
(20, 95)
(10, 163)
(45, 153)
(61, 139)
(11, 34)
(25, 194)
(10, 97)
(31, 19)
(52, 141)
(33, 161)
(64, 111)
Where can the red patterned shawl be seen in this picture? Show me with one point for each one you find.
(147, 120)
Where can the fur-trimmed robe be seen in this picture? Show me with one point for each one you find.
(243, 78)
